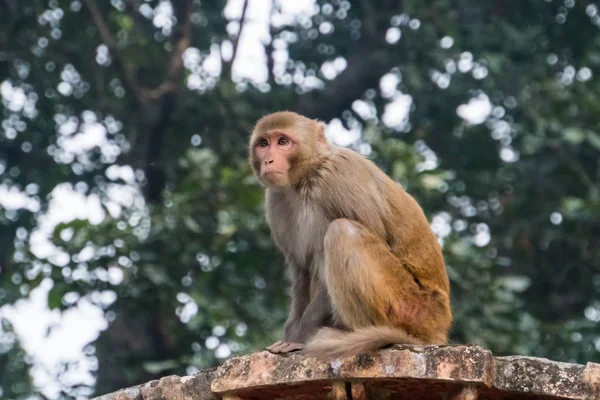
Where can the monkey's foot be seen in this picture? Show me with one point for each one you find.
(282, 347)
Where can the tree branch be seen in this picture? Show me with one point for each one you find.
(236, 41)
(575, 167)
(142, 25)
(365, 67)
(107, 38)
(269, 47)
(157, 105)
(182, 40)
(166, 95)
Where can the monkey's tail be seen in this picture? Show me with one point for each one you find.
(331, 343)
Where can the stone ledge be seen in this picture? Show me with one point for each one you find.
(407, 372)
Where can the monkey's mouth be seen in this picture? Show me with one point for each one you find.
(272, 178)
(268, 173)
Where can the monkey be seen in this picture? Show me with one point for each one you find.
(366, 268)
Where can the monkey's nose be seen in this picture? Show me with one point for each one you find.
(268, 161)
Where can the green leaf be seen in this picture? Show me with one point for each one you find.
(55, 296)
(574, 135)
(191, 224)
(515, 283)
(571, 204)
(157, 367)
(594, 139)
(431, 181)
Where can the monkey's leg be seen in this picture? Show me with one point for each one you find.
(369, 286)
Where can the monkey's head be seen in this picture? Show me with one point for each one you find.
(284, 146)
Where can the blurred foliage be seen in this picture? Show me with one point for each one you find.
(181, 261)
(14, 365)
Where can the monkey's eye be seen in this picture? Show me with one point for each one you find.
(282, 141)
(263, 143)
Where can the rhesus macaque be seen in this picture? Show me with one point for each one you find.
(367, 269)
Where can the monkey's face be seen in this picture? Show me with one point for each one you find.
(273, 152)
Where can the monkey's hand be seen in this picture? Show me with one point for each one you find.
(292, 340)
(282, 347)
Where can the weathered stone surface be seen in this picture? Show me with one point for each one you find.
(194, 387)
(467, 364)
(131, 393)
(400, 372)
(544, 377)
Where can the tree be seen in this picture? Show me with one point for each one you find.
(181, 262)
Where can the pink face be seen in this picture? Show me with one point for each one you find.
(273, 151)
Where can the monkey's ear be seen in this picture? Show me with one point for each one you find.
(321, 132)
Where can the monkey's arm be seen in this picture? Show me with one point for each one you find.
(300, 301)
(298, 331)
(300, 297)
(317, 313)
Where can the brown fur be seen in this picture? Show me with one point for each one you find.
(367, 269)
(331, 343)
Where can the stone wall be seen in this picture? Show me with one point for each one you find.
(400, 372)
